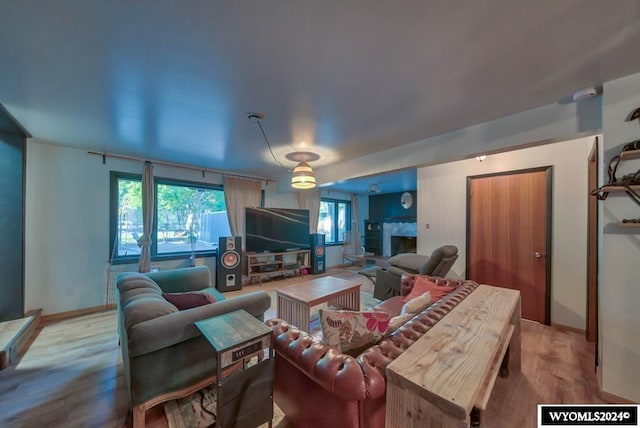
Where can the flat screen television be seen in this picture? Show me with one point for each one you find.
(276, 229)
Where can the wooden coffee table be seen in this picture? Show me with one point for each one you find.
(295, 302)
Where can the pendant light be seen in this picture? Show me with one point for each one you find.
(303, 177)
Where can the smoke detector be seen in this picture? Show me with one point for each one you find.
(584, 94)
(373, 188)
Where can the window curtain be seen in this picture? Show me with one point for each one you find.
(355, 223)
(310, 200)
(144, 242)
(238, 194)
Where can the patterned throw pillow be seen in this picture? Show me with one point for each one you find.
(353, 332)
(422, 285)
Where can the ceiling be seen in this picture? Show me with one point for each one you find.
(175, 81)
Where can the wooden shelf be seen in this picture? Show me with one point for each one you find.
(630, 154)
(626, 155)
(259, 264)
(273, 262)
(372, 237)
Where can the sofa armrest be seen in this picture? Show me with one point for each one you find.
(338, 373)
(407, 280)
(410, 262)
(171, 329)
(387, 282)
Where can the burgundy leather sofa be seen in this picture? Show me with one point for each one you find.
(318, 386)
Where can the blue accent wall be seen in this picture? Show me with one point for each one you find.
(387, 206)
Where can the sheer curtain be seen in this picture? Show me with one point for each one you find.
(144, 242)
(238, 194)
(355, 223)
(310, 200)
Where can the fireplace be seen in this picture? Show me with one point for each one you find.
(399, 237)
(403, 244)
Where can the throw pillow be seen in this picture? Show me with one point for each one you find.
(352, 332)
(397, 322)
(189, 299)
(422, 285)
(417, 304)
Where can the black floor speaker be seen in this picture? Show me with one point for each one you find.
(229, 264)
(316, 242)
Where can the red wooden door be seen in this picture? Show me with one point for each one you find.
(508, 238)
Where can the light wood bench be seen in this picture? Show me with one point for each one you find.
(445, 379)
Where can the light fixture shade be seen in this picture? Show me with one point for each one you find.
(303, 177)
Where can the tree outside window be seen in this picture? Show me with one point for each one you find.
(188, 217)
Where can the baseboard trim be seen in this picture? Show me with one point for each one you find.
(563, 327)
(614, 399)
(45, 319)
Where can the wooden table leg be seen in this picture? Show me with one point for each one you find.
(475, 418)
(504, 366)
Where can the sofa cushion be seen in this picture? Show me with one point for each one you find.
(423, 285)
(409, 262)
(137, 283)
(144, 308)
(417, 304)
(189, 299)
(183, 279)
(351, 331)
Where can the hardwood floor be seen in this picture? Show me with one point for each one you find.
(557, 367)
(71, 375)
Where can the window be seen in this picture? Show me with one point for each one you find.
(188, 217)
(334, 219)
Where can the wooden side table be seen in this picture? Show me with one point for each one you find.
(244, 398)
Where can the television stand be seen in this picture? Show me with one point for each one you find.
(274, 264)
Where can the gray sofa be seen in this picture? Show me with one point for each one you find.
(163, 353)
(437, 264)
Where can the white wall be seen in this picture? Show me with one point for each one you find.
(442, 203)
(67, 224)
(275, 199)
(619, 283)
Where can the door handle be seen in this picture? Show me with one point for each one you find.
(538, 255)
